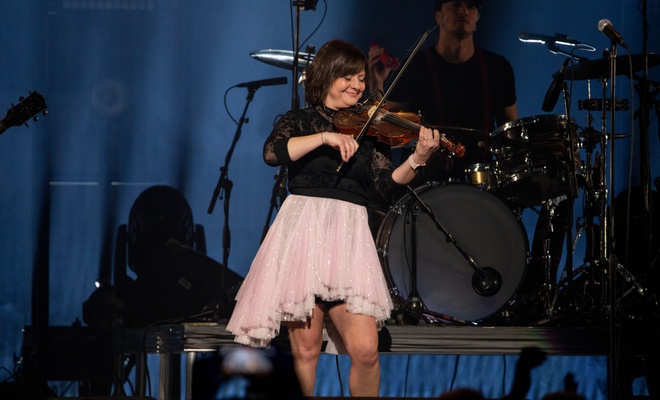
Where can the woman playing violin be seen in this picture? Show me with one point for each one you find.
(318, 265)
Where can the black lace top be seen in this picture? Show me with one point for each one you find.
(316, 174)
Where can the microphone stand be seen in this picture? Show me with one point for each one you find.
(414, 303)
(279, 189)
(646, 102)
(224, 185)
(608, 254)
(486, 281)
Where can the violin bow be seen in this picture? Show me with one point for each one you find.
(379, 105)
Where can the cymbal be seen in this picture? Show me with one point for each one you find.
(595, 69)
(282, 58)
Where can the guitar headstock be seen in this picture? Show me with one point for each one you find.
(28, 107)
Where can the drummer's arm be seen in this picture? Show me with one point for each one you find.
(510, 113)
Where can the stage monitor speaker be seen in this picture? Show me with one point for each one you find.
(19, 391)
(181, 284)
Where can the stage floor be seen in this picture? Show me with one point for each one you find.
(450, 339)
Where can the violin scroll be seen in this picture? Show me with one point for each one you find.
(455, 149)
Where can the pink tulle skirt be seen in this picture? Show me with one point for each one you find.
(316, 247)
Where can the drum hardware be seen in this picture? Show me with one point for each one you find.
(572, 189)
(588, 302)
(537, 161)
(462, 282)
(597, 291)
(414, 303)
(548, 285)
(597, 104)
(600, 68)
(486, 281)
(413, 310)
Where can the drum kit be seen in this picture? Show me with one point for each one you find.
(481, 256)
(531, 168)
(537, 164)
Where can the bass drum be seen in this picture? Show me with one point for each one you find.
(484, 228)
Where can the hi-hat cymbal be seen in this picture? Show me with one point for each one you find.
(282, 58)
(596, 69)
(592, 134)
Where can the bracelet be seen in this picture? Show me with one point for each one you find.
(413, 164)
(323, 138)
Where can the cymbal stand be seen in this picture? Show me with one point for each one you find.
(593, 193)
(646, 95)
(601, 193)
(546, 214)
(279, 188)
(607, 254)
(572, 191)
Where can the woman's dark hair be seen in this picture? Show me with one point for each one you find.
(334, 59)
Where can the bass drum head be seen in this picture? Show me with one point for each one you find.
(484, 228)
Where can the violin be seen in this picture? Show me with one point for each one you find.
(392, 128)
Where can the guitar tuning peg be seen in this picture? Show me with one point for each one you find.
(21, 98)
(35, 118)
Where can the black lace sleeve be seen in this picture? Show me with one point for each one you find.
(275, 147)
(382, 169)
(294, 123)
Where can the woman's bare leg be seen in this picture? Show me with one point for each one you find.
(360, 338)
(306, 340)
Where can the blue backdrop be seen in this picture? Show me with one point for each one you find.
(137, 94)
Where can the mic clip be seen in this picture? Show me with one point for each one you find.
(305, 4)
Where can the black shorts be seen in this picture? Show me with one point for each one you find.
(328, 303)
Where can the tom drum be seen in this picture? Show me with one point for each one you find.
(533, 157)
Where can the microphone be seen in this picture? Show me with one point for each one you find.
(605, 26)
(486, 281)
(552, 95)
(559, 38)
(263, 82)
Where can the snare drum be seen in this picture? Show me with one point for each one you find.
(482, 226)
(482, 175)
(532, 156)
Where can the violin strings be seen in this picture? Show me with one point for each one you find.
(397, 120)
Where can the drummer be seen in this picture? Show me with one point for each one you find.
(453, 84)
